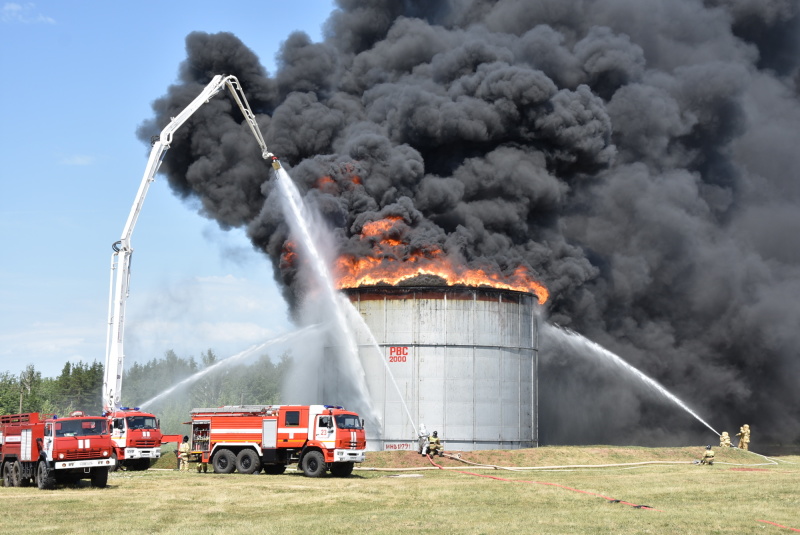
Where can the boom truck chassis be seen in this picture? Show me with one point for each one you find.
(251, 438)
(46, 450)
(136, 435)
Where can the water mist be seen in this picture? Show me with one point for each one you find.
(323, 303)
(582, 346)
(238, 357)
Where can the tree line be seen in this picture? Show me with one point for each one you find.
(79, 386)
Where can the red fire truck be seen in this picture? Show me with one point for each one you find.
(249, 438)
(137, 438)
(46, 450)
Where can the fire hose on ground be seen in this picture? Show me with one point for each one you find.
(481, 466)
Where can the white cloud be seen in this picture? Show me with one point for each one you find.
(48, 346)
(24, 14)
(223, 313)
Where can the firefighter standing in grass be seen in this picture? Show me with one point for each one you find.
(184, 450)
(434, 445)
(744, 437)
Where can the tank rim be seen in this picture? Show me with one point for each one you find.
(456, 288)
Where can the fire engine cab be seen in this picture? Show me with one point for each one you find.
(249, 438)
(136, 437)
(46, 450)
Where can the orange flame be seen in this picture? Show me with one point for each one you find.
(344, 179)
(288, 255)
(323, 181)
(393, 262)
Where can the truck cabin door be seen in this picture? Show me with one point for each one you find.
(324, 430)
(118, 427)
(47, 443)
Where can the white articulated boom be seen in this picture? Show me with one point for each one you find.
(121, 257)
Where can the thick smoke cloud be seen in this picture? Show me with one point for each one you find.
(639, 157)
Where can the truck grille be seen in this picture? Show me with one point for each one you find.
(145, 443)
(75, 455)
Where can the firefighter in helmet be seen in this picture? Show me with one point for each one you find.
(708, 456)
(744, 437)
(422, 444)
(724, 440)
(434, 445)
(183, 451)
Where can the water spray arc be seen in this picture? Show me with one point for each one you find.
(359, 320)
(582, 344)
(297, 215)
(249, 352)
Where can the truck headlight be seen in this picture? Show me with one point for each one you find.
(105, 453)
(60, 455)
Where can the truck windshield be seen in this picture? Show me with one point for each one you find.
(142, 422)
(348, 421)
(80, 428)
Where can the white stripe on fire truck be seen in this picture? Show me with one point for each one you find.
(257, 430)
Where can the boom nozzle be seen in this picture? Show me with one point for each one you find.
(276, 163)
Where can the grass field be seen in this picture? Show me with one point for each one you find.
(398, 492)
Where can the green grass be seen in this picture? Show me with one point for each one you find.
(686, 498)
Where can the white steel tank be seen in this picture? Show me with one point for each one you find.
(462, 361)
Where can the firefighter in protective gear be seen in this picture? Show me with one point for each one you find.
(708, 456)
(724, 440)
(434, 445)
(183, 451)
(744, 437)
(422, 444)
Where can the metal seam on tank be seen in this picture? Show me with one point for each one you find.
(501, 324)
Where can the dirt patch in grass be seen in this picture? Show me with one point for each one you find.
(749, 470)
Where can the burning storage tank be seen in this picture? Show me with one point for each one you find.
(460, 360)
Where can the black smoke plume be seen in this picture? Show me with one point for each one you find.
(639, 157)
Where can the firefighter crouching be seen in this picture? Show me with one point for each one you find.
(708, 456)
(434, 445)
(201, 466)
(724, 440)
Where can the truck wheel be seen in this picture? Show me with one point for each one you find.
(44, 477)
(313, 464)
(342, 469)
(7, 482)
(224, 462)
(247, 462)
(16, 474)
(274, 469)
(99, 477)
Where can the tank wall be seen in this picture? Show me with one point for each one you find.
(464, 360)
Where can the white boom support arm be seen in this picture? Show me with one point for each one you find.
(121, 257)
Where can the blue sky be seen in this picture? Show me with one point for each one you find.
(78, 79)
